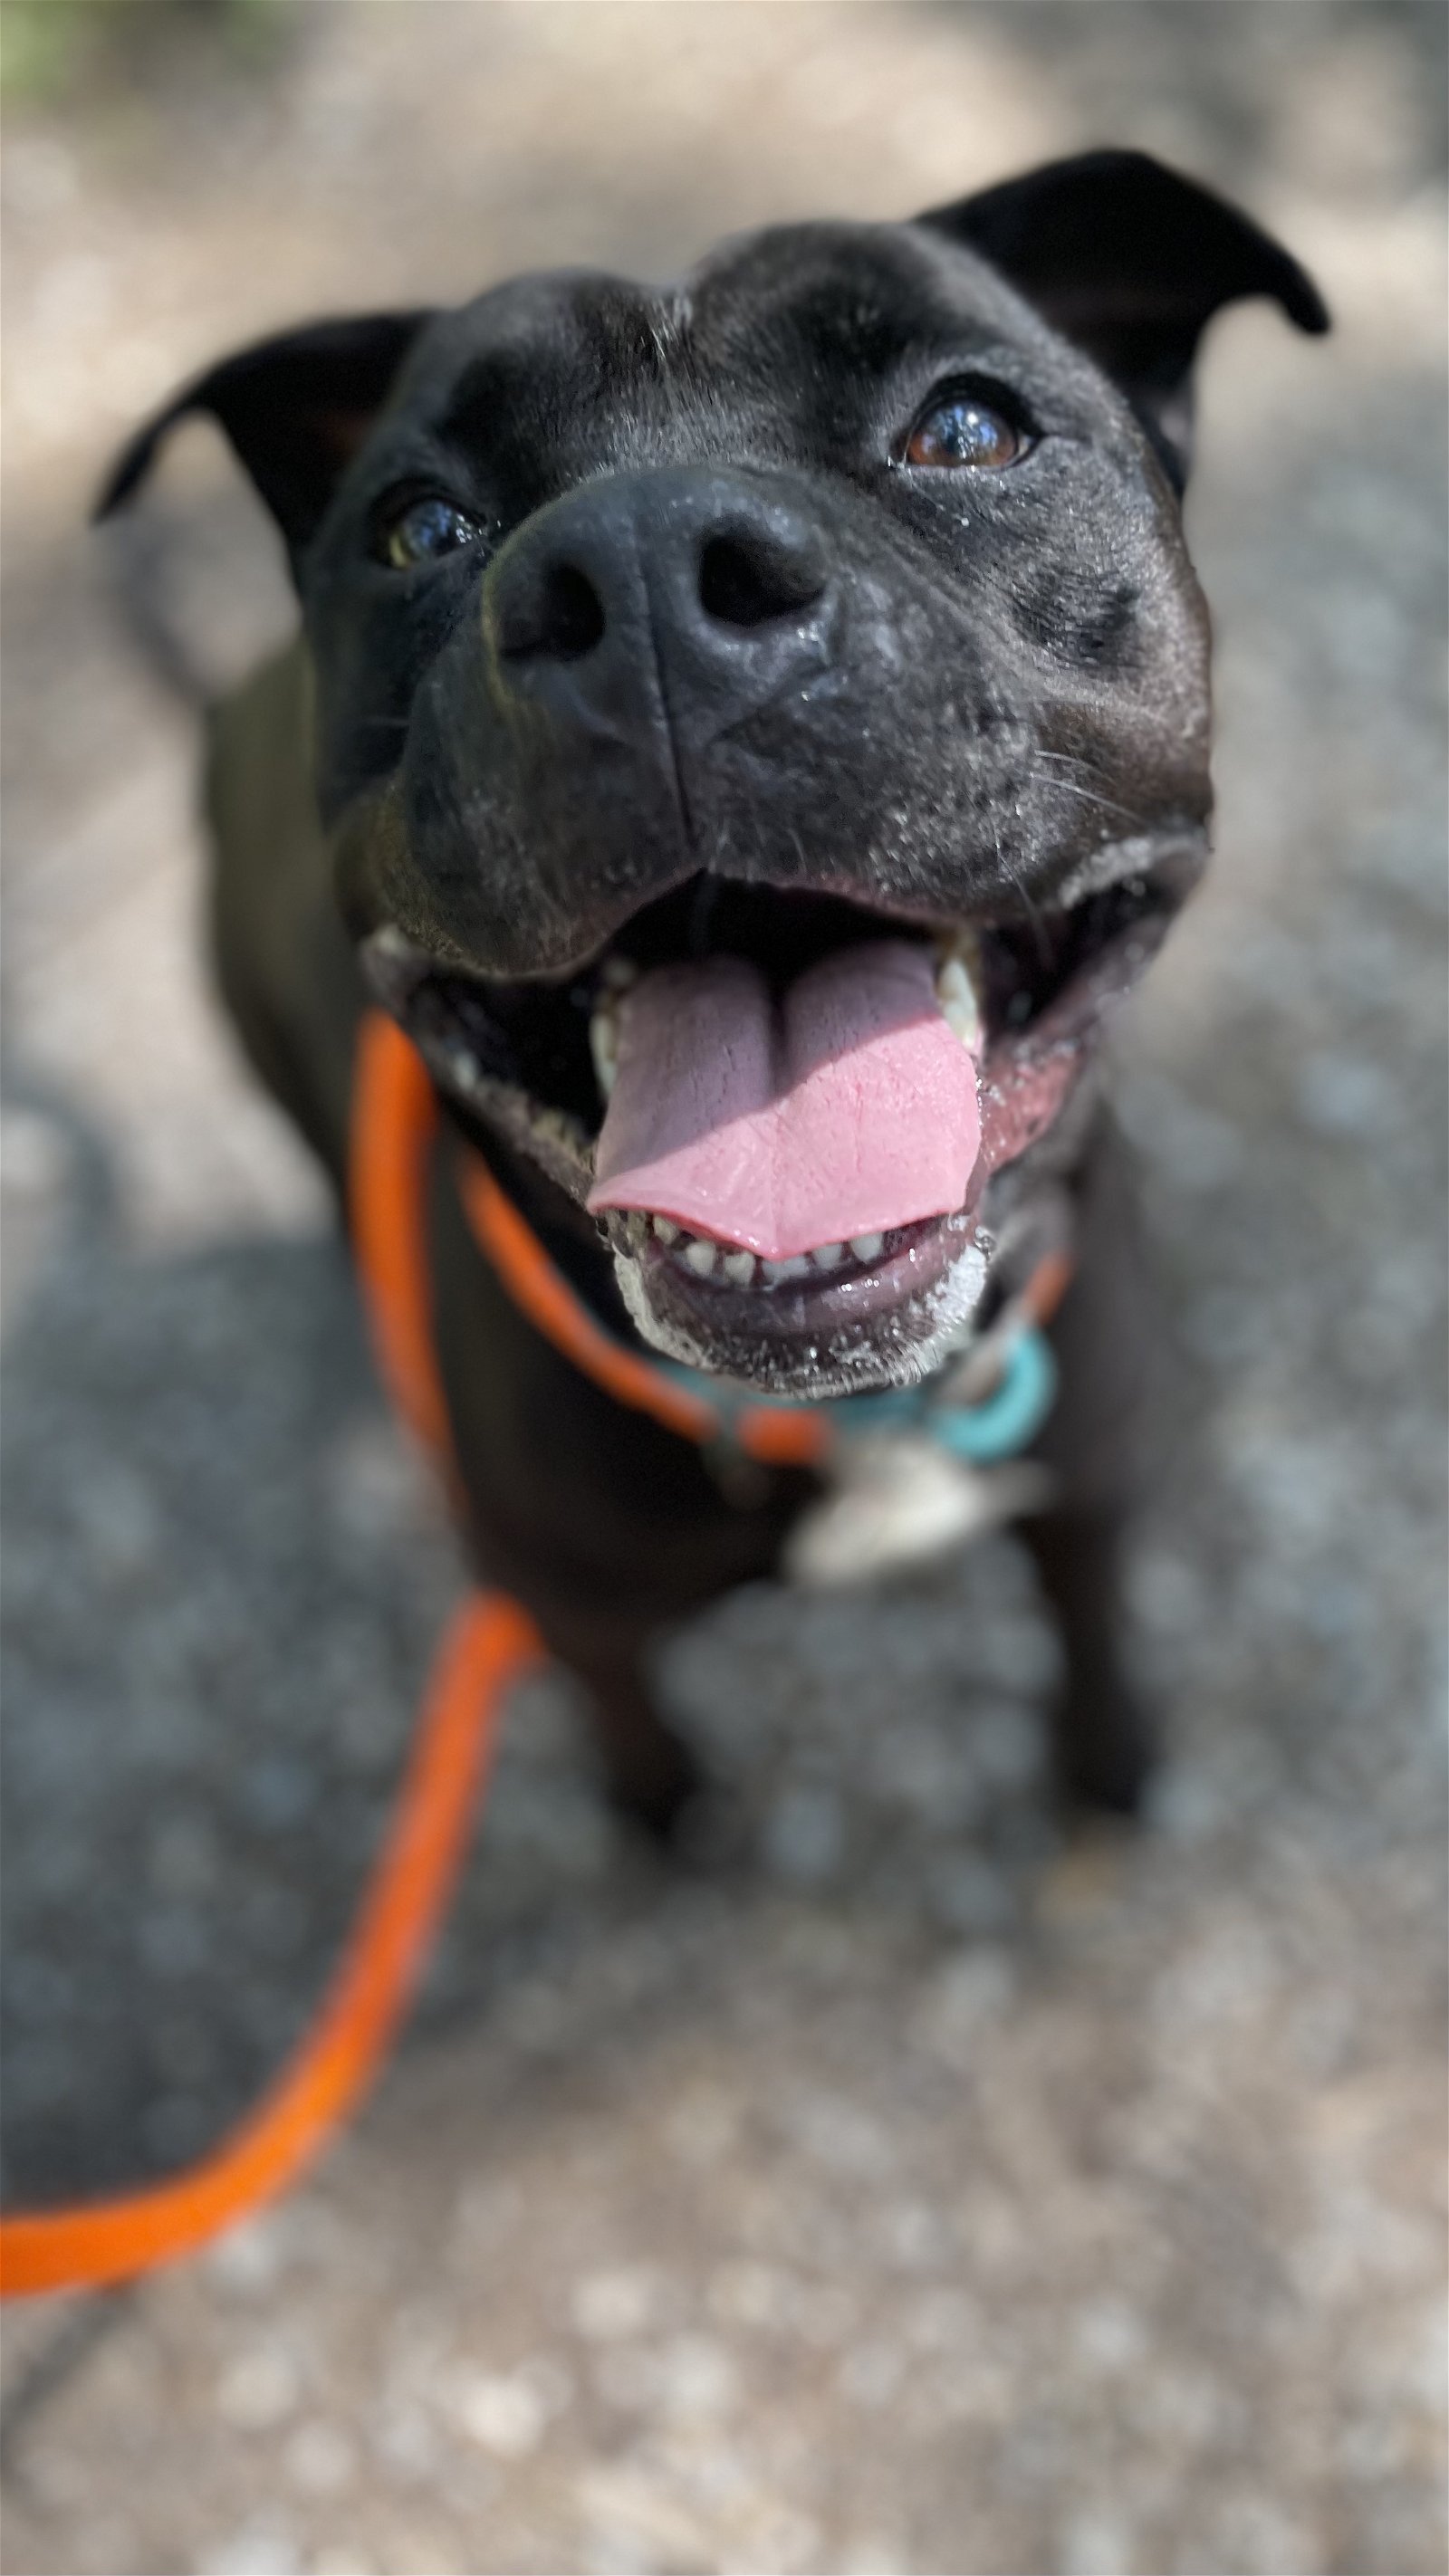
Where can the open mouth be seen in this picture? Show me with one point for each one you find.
(784, 1108)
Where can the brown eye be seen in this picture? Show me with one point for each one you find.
(963, 431)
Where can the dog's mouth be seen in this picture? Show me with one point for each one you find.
(784, 1108)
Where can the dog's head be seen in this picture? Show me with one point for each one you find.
(763, 723)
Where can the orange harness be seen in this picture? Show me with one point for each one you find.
(489, 1643)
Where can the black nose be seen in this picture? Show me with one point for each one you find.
(676, 600)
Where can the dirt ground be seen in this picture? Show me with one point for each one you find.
(901, 2186)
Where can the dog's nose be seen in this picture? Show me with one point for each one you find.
(676, 599)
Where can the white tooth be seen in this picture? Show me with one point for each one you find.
(867, 1247)
(740, 1267)
(700, 1256)
(604, 1047)
(464, 1067)
(665, 1228)
(959, 1006)
(796, 1267)
(636, 1226)
(828, 1256)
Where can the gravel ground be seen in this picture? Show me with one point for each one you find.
(914, 2188)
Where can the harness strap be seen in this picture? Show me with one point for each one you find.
(777, 1436)
(394, 1124)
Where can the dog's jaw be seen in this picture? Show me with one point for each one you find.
(872, 1313)
(892, 1346)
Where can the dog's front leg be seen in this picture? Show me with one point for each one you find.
(1104, 1740)
(1098, 1448)
(649, 1772)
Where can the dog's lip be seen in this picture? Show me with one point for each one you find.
(804, 1310)
(398, 969)
(885, 915)
(396, 964)
(1169, 862)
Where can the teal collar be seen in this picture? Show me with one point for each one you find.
(998, 1425)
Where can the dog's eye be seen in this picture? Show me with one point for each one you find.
(423, 531)
(963, 431)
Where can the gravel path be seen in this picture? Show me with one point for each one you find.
(901, 2187)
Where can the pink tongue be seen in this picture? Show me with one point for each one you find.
(845, 1108)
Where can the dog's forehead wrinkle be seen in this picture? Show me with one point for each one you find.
(871, 265)
(561, 336)
(874, 291)
(796, 297)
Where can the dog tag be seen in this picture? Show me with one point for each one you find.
(898, 1499)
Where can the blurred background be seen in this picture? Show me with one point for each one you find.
(907, 2186)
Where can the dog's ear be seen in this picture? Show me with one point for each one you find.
(1130, 261)
(295, 408)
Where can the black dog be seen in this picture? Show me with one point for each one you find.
(787, 693)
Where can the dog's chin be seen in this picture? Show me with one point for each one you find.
(881, 1323)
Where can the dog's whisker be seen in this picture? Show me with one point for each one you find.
(1087, 795)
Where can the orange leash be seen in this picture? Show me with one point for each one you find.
(490, 1642)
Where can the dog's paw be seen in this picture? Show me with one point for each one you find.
(1105, 1745)
(656, 1786)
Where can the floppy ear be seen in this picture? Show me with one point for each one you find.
(295, 409)
(1130, 261)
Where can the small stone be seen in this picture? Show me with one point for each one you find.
(805, 1835)
(259, 2389)
(505, 2416)
(321, 2459)
(258, 2549)
(610, 2305)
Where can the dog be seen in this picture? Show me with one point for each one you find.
(752, 733)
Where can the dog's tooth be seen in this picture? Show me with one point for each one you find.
(740, 1267)
(867, 1247)
(636, 1226)
(700, 1255)
(604, 1047)
(796, 1266)
(828, 1256)
(959, 1007)
(665, 1228)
